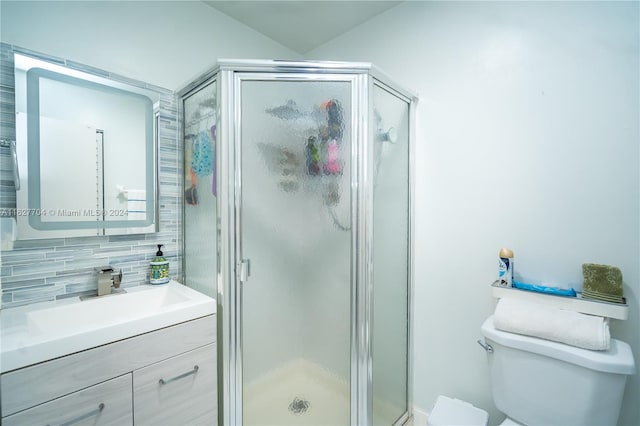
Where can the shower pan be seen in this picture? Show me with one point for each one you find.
(297, 218)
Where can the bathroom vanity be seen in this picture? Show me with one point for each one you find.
(110, 362)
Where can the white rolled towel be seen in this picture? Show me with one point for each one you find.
(547, 322)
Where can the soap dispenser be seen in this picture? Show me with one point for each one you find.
(159, 268)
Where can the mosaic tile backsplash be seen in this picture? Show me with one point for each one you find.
(7, 127)
(50, 269)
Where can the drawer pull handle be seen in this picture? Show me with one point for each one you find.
(84, 416)
(181, 376)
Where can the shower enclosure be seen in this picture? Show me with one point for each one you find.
(298, 220)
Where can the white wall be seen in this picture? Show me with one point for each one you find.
(165, 43)
(527, 137)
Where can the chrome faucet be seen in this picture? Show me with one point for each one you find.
(107, 279)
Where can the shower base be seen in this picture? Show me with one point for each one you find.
(302, 393)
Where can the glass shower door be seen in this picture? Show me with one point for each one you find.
(391, 280)
(200, 189)
(295, 144)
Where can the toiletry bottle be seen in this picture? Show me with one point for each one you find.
(312, 152)
(505, 268)
(159, 268)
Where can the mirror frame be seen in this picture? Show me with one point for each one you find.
(33, 153)
(88, 77)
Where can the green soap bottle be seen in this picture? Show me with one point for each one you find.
(159, 268)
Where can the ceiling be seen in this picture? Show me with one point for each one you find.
(302, 25)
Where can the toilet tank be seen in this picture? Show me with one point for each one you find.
(540, 382)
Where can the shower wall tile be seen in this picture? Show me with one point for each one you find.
(43, 270)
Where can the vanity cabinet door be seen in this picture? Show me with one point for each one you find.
(108, 403)
(181, 390)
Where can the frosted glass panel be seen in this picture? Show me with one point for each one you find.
(296, 196)
(200, 213)
(391, 251)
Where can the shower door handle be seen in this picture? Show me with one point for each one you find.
(245, 270)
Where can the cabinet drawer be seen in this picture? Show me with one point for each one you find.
(180, 390)
(30, 386)
(107, 403)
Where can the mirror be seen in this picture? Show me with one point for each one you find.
(86, 150)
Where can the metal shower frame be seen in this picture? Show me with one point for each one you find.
(228, 76)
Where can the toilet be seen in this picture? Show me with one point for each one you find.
(540, 382)
(536, 381)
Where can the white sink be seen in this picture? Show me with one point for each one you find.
(43, 331)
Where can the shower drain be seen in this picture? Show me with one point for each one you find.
(299, 406)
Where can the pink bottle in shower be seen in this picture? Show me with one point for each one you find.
(332, 166)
